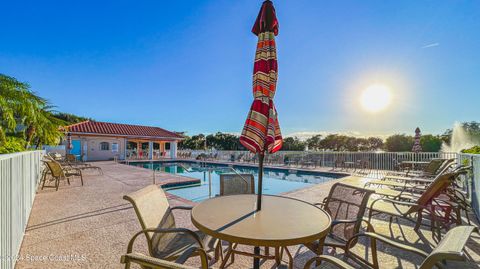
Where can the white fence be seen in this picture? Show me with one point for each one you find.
(370, 160)
(472, 181)
(19, 177)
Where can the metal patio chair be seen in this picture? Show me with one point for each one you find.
(346, 205)
(165, 240)
(449, 249)
(424, 203)
(57, 172)
(231, 184)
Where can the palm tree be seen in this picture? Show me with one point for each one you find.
(19, 106)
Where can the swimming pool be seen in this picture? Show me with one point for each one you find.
(275, 181)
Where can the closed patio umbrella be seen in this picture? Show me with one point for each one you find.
(416, 144)
(261, 133)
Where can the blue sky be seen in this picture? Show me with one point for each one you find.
(187, 65)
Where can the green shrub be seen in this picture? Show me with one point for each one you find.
(472, 150)
(12, 144)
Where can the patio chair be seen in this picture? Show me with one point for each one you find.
(154, 263)
(71, 161)
(165, 240)
(346, 205)
(235, 184)
(231, 184)
(409, 182)
(55, 156)
(449, 249)
(57, 173)
(432, 169)
(406, 209)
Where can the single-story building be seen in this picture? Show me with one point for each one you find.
(94, 140)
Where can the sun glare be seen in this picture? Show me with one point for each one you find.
(376, 97)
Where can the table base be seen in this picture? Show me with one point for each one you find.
(231, 251)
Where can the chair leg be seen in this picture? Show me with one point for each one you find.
(419, 221)
(468, 217)
(44, 179)
(81, 177)
(278, 259)
(373, 246)
(57, 183)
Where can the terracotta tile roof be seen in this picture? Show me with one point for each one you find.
(106, 128)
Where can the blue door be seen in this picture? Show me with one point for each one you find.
(77, 148)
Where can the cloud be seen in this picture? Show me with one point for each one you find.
(431, 45)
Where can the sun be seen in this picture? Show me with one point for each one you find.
(376, 97)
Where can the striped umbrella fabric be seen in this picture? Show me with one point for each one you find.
(416, 145)
(261, 131)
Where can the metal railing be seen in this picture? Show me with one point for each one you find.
(20, 175)
(372, 160)
(471, 182)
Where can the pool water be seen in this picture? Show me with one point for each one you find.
(275, 181)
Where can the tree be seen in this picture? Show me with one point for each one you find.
(399, 143)
(70, 118)
(25, 114)
(374, 143)
(314, 142)
(224, 141)
(431, 143)
(193, 142)
(293, 143)
(12, 144)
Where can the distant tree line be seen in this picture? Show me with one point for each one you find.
(220, 141)
(333, 142)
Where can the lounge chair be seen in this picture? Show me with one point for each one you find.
(57, 173)
(435, 167)
(164, 239)
(55, 156)
(449, 249)
(70, 161)
(406, 209)
(410, 182)
(346, 205)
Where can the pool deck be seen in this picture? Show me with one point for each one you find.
(90, 226)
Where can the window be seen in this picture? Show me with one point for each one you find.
(114, 147)
(104, 146)
(167, 146)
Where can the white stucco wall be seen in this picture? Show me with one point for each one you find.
(91, 150)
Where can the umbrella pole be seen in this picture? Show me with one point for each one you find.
(256, 250)
(260, 180)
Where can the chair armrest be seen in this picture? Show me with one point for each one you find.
(71, 168)
(330, 259)
(394, 202)
(170, 230)
(375, 236)
(181, 208)
(322, 203)
(342, 221)
(151, 262)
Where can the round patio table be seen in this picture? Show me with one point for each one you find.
(282, 222)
